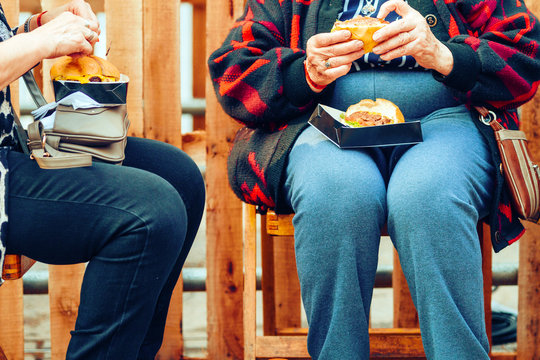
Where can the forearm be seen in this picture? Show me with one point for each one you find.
(18, 55)
(445, 60)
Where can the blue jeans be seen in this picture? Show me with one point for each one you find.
(134, 225)
(431, 195)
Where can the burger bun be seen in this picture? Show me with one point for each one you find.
(361, 28)
(84, 69)
(369, 113)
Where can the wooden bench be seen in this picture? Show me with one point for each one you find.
(284, 338)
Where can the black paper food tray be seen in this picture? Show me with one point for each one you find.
(325, 119)
(102, 92)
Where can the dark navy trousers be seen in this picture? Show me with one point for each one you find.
(134, 225)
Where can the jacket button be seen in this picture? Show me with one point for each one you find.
(431, 20)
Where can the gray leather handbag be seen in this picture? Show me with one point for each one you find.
(78, 135)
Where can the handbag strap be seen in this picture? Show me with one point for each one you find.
(48, 157)
(488, 117)
(33, 89)
(33, 141)
(21, 134)
(39, 100)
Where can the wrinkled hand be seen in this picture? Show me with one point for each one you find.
(411, 35)
(67, 34)
(330, 55)
(76, 7)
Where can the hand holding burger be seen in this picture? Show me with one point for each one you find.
(411, 35)
(330, 56)
(361, 28)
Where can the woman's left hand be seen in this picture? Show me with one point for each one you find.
(77, 7)
(411, 35)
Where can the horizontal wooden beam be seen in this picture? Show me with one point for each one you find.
(290, 347)
(385, 343)
(503, 356)
(34, 6)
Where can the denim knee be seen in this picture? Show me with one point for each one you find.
(160, 216)
(430, 204)
(337, 188)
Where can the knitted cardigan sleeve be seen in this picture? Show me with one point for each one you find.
(258, 72)
(495, 49)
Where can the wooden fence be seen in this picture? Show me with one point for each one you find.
(144, 37)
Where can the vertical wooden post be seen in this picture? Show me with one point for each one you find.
(45, 66)
(484, 236)
(224, 210)
(64, 297)
(161, 71)
(11, 293)
(11, 9)
(11, 320)
(528, 332)
(268, 280)
(172, 347)
(125, 39)
(286, 284)
(199, 56)
(64, 281)
(250, 281)
(405, 315)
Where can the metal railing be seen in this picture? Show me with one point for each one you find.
(37, 281)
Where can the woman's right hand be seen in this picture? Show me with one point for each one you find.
(66, 34)
(330, 56)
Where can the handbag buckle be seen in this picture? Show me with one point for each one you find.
(487, 119)
(43, 142)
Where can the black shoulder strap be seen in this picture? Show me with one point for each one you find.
(21, 134)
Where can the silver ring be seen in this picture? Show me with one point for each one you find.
(491, 116)
(327, 64)
(92, 36)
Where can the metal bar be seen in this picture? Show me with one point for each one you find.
(194, 106)
(36, 281)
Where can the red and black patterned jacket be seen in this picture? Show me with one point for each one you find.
(258, 77)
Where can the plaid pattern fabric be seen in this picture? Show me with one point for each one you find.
(259, 80)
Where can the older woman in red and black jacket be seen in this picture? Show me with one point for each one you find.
(436, 60)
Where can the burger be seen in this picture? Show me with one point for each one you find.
(84, 69)
(369, 113)
(361, 28)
